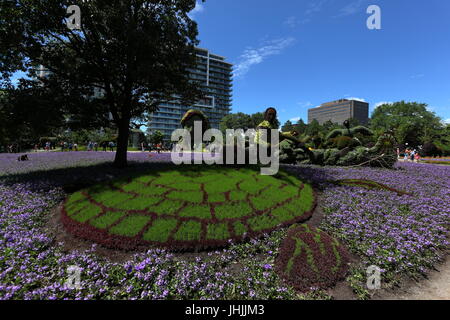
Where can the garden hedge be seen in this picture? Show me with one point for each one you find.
(309, 257)
(187, 207)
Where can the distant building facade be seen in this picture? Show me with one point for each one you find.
(340, 110)
(215, 75)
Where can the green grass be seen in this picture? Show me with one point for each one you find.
(179, 200)
(107, 219)
(217, 231)
(130, 226)
(87, 213)
(188, 231)
(160, 230)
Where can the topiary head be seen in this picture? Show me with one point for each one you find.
(270, 115)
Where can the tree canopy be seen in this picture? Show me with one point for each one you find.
(136, 53)
(410, 122)
(243, 121)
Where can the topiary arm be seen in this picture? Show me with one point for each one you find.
(335, 133)
(362, 130)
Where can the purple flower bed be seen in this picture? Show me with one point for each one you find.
(403, 235)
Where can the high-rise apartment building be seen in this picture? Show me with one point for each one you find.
(340, 110)
(215, 75)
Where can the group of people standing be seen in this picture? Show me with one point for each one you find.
(90, 146)
(410, 155)
(68, 146)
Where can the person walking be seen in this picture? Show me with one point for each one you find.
(111, 146)
(412, 155)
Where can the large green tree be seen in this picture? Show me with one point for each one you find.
(156, 137)
(410, 122)
(28, 112)
(287, 127)
(243, 121)
(236, 121)
(135, 52)
(301, 126)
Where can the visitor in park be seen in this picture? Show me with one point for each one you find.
(95, 146)
(398, 153)
(412, 155)
(111, 146)
(104, 145)
(417, 157)
(158, 147)
(75, 147)
(70, 146)
(62, 146)
(405, 158)
(36, 147)
(47, 146)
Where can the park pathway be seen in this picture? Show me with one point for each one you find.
(436, 287)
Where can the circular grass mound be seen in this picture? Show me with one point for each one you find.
(187, 207)
(310, 258)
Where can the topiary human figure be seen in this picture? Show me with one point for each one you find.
(264, 129)
(291, 147)
(188, 121)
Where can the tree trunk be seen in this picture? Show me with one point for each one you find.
(120, 160)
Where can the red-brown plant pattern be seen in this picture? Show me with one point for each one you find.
(310, 258)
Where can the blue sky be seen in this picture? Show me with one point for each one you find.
(297, 54)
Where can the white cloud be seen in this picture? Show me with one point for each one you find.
(447, 121)
(291, 22)
(357, 99)
(252, 57)
(199, 8)
(315, 7)
(295, 120)
(381, 103)
(305, 104)
(351, 8)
